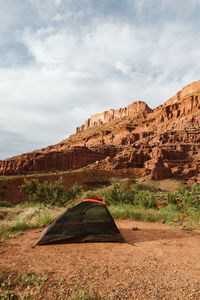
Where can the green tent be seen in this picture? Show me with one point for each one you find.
(88, 221)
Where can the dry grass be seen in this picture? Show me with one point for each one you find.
(17, 219)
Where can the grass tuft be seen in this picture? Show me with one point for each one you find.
(86, 295)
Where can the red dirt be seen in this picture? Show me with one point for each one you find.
(162, 263)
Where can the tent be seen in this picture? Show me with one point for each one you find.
(88, 221)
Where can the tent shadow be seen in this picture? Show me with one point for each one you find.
(147, 235)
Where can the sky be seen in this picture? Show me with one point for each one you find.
(62, 61)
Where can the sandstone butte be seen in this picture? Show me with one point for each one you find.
(164, 141)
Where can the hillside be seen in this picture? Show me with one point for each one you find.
(164, 142)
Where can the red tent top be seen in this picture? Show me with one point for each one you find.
(94, 199)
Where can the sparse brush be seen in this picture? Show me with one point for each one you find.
(5, 204)
(145, 199)
(53, 193)
(18, 219)
(169, 213)
(118, 193)
(86, 295)
(171, 198)
(90, 194)
(128, 211)
(190, 198)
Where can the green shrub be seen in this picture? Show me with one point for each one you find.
(118, 193)
(190, 198)
(5, 204)
(171, 198)
(72, 193)
(136, 187)
(122, 211)
(89, 194)
(194, 214)
(168, 213)
(49, 192)
(182, 190)
(20, 226)
(144, 199)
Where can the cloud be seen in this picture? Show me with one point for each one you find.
(75, 60)
(107, 48)
(58, 2)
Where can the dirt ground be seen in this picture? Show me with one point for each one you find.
(158, 262)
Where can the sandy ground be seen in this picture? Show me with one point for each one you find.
(159, 262)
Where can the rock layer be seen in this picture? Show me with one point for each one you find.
(110, 115)
(50, 161)
(165, 141)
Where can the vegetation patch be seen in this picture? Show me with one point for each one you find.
(21, 217)
(5, 204)
(22, 286)
(33, 285)
(125, 198)
(51, 193)
(145, 203)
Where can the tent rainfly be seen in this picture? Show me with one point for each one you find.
(88, 221)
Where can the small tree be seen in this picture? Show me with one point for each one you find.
(49, 192)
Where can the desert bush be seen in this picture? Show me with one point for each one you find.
(90, 194)
(190, 198)
(171, 198)
(86, 295)
(144, 199)
(118, 193)
(168, 213)
(53, 193)
(122, 211)
(72, 193)
(23, 282)
(194, 216)
(5, 204)
(137, 187)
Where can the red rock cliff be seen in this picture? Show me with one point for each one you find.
(164, 141)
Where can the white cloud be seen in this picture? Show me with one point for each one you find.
(58, 2)
(125, 69)
(58, 17)
(98, 52)
(78, 69)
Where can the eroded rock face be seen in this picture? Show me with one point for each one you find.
(50, 161)
(160, 171)
(110, 115)
(164, 141)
